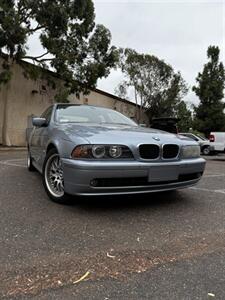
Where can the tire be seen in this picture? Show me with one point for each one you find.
(53, 180)
(30, 165)
(206, 150)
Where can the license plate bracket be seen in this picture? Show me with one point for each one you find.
(163, 173)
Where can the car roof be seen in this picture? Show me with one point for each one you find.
(186, 133)
(76, 104)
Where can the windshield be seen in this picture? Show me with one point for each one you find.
(201, 137)
(90, 114)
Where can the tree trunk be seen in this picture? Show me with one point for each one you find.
(141, 105)
(137, 113)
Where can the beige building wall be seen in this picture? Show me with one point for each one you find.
(25, 97)
(2, 96)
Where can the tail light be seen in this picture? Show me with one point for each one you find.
(212, 138)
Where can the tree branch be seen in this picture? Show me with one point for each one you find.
(26, 16)
(36, 57)
(46, 59)
(35, 29)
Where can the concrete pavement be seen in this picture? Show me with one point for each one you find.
(156, 246)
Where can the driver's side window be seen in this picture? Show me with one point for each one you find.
(47, 114)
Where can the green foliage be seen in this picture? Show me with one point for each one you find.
(74, 46)
(62, 96)
(209, 115)
(121, 90)
(185, 116)
(5, 74)
(158, 87)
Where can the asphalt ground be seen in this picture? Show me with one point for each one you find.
(153, 246)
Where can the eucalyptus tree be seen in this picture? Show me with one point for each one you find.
(157, 87)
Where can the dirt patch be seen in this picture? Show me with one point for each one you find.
(64, 270)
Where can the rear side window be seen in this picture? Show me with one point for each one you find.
(192, 137)
(189, 135)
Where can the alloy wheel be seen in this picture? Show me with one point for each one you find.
(54, 176)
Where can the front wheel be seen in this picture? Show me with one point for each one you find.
(206, 151)
(30, 165)
(53, 179)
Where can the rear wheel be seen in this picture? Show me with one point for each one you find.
(53, 179)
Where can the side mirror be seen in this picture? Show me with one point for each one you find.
(39, 122)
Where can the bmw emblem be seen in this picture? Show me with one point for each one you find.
(156, 138)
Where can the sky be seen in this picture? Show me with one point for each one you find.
(179, 32)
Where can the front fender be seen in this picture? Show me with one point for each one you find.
(65, 147)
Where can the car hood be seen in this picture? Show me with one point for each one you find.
(117, 134)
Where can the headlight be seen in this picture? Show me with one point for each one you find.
(115, 151)
(191, 151)
(98, 151)
(101, 152)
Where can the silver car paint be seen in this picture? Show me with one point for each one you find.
(79, 173)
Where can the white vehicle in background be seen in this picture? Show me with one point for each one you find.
(217, 140)
(205, 145)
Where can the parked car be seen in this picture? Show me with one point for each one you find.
(168, 124)
(89, 150)
(217, 141)
(205, 146)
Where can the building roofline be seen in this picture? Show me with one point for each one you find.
(113, 96)
(54, 74)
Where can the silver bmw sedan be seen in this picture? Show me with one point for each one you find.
(89, 150)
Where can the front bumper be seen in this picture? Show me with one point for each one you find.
(79, 176)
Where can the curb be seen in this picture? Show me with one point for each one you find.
(5, 149)
(214, 158)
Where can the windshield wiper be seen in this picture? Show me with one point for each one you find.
(115, 123)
